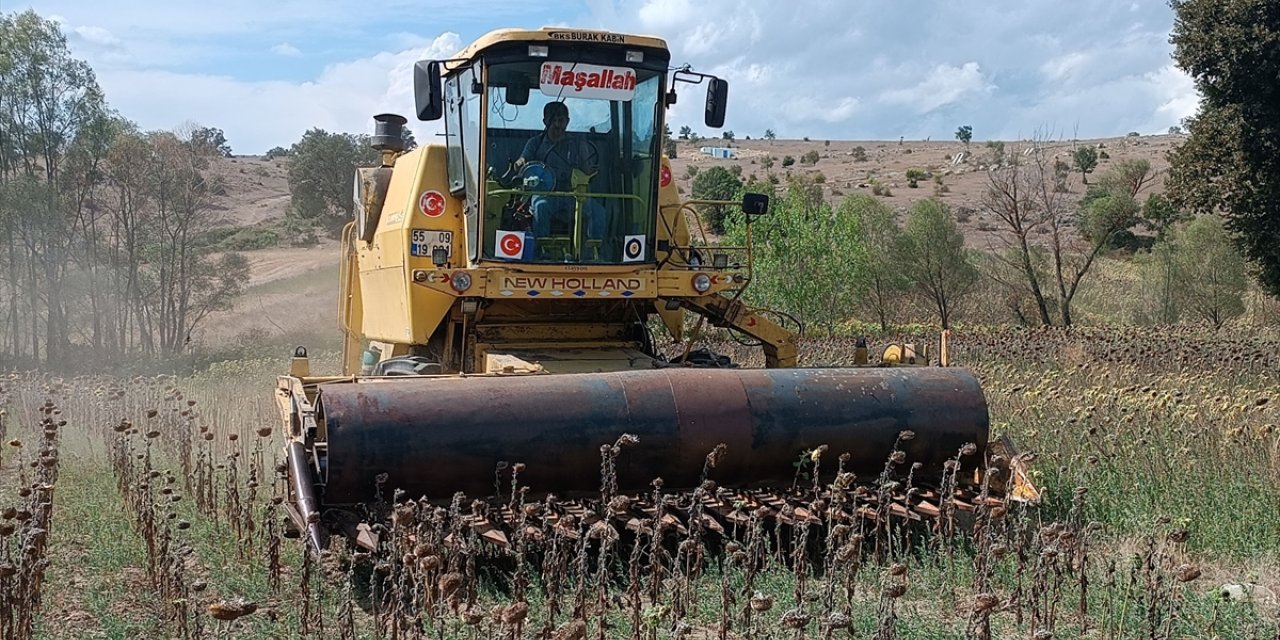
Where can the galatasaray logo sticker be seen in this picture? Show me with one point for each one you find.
(633, 248)
(432, 204)
(510, 244)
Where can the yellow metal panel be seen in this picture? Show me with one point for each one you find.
(417, 198)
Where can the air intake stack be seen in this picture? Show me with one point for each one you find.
(388, 136)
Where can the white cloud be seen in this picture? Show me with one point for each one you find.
(944, 85)
(880, 69)
(287, 50)
(821, 68)
(97, 35)
(259, 115)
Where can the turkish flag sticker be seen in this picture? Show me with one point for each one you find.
(432, 204)
(510, 244)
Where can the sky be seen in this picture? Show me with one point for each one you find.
(265, 72)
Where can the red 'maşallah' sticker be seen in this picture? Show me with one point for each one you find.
(432, 204)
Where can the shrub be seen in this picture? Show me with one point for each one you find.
(788, 161)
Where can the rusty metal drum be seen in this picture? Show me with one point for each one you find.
(434, 437)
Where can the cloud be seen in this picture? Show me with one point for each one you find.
(262, 114)
(881, 69)
(287, 50)
(822, 68)
(97, 35)
(943, 85)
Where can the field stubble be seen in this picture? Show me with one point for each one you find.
(1159, 456)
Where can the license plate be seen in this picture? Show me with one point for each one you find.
(424, 242)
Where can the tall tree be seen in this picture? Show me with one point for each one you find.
(885, 280)
(320, 174)
(48, 97)
(804, 235)
(1209, 275)
(716, 183)
(934, 260)
(1230, 161)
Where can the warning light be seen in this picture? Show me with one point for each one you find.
(701, 283)
(461, 281)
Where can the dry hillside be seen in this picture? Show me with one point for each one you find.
(292, 294)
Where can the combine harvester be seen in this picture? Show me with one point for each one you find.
(496, 297)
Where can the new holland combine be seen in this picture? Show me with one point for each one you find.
(498, 295)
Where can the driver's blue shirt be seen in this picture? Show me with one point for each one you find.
(559, 157)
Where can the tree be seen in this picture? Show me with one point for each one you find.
(210, 140)
(1129, 176)
(321, 171)
(933, 258)
(1230, 161)
(885, 280)
(47, 99)
(804, 235)
(1209, 274)
(965, 134)
(685, 132)
(770, 135)
(1085, 160)
(716, 183)
(727, 135)
(1028, 197)
(1159, 214)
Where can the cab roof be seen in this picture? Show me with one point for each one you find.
(557, 34)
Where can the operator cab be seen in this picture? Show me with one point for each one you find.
(554, 142)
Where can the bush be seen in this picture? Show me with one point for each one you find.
(250, 239)
(810, 157)
(859, 154)
(716, 183)
(788, 161)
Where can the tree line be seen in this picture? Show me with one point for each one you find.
(105, 252)
(827, 263)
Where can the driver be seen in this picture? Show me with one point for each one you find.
(561, 154)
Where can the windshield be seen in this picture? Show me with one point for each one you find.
(572, 154)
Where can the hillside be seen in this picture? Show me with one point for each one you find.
(292, 295)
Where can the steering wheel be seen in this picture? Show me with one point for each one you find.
(593, 155)
(536, 176)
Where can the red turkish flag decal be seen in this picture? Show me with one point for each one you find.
(510, 244)
(432, 204)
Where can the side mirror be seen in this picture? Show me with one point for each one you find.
(428, 94)
(717, 98)
(755, 204)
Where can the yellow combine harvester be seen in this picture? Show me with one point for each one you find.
(497, 292)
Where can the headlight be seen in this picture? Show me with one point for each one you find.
(461, 281)
(701, 283)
